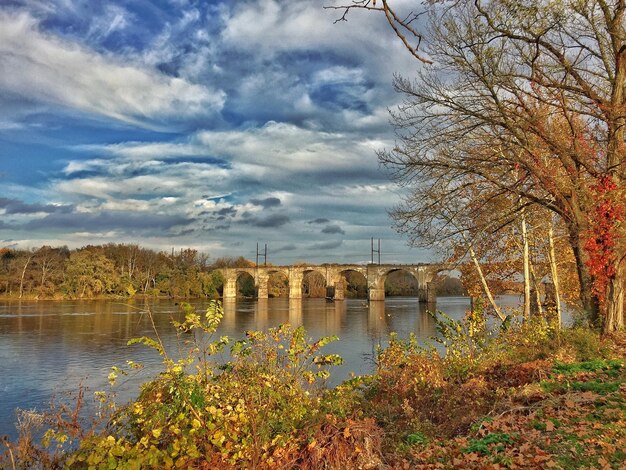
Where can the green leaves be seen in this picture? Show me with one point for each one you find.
(147, 341)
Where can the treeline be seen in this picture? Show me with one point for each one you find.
(110, 270)
(126, 270)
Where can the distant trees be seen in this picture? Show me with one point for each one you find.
(109, 270)
(89, 273)
(313, 284)
(523, 107)
(49, 269)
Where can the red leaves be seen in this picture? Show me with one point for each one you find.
(604, 221)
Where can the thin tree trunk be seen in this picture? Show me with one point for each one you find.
(533, 276)
(43, 274)
(614, 315)
(24, 274)
(526, 267)
(554, 272)
(484, 284)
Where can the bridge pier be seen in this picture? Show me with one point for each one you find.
(230, 288)
(375, 293)
(428, 294)
(262, 287)
(340, 290)
(295, 284)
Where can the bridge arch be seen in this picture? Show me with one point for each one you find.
(401, 281)
(352, 283)
(314, 283)
(277, 283)
(246, 284)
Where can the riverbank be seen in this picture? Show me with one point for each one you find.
(530, 397)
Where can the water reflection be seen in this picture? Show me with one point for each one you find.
(295, 312)
(48, 348)
(376, 318)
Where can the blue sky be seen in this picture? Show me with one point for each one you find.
(206, 124)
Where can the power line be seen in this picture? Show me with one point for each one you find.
(375, 251)
(263, 253)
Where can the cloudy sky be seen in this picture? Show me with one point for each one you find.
(205, 124)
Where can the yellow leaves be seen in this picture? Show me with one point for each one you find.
(195, 423)
(156, 432)
(218, 437)
(111, 377)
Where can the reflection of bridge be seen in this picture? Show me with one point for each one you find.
(334, 274)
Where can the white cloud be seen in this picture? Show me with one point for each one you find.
(338, 74)
(273, 26)
(48, 69)
(286, 147)
(114, 18)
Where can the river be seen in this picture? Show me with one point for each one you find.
(49, 348)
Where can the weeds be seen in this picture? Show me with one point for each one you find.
(528, 395)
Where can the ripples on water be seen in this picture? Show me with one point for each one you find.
(48, 348)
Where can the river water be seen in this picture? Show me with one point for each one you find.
(49, 348)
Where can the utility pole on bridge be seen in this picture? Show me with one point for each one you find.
(264, 254)
(375, 251)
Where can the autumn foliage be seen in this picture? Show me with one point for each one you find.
(604, 236)
(526, 396)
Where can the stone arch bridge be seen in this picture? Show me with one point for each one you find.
(334, 274)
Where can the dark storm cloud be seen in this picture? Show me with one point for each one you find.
(333, 229)
(327, 245)
(13, 206)
(271, 221)
(182, 233)
(266, 203)
(107, 220)
(318, 221)
(275, 220)
(227, 211)
(289, 247)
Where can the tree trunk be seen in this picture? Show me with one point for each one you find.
(526, 268)
(614, 302)
(554, 272)
(23, 274)
(485, 285)
(533, 275)
(589, 301)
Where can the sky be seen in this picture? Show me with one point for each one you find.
(213, 125)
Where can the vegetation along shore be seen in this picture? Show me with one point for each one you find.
(526, 395)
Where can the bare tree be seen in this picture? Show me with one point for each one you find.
(524, 99)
